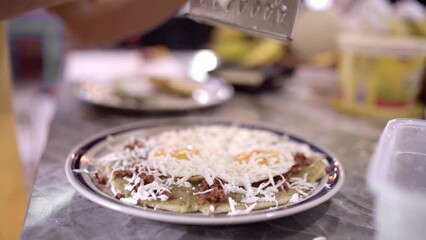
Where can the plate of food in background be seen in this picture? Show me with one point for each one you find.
(203, 171)
(249, 63)
(153, 94)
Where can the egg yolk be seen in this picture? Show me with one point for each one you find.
(181, 154)
(246, 156)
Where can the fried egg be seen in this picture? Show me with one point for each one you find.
(232, 154)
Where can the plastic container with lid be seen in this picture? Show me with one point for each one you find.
(380, 76)
(397, 178)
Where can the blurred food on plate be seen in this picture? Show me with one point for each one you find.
(142, 88)
(155, 52)
(133, 89)
(148, 94)
(180, 87)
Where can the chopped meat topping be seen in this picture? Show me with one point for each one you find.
(217, 195)
(147, 178)
(301, 159)
(135, 188)
(327, 169)
(284, 187)
(135, 144)
(276, 179)
(286, 177)
(122, 174)
(296, 168)
(279, 178)
(204, 186)
(136, 170)
(101, 179)
(119, 196)
(201, 199)
(216, 183)
(169, 194)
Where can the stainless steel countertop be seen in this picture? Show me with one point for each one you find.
(57, 211)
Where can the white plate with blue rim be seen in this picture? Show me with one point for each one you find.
(78, 164)
(138, 94)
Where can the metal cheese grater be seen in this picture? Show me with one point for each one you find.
(265, 18)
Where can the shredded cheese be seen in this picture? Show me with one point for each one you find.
(238, 156)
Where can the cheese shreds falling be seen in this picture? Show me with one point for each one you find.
(237, 157)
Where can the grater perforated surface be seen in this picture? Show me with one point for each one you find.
(265, 18)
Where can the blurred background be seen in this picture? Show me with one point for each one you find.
(367, 56)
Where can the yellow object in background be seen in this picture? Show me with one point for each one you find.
(232, 50)
(324, 59)
(405, 28)
(264, 52)
(224, 33)
(420, 27)
(381, 77)
(242, 50)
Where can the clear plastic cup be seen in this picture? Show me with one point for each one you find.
(397, 178)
